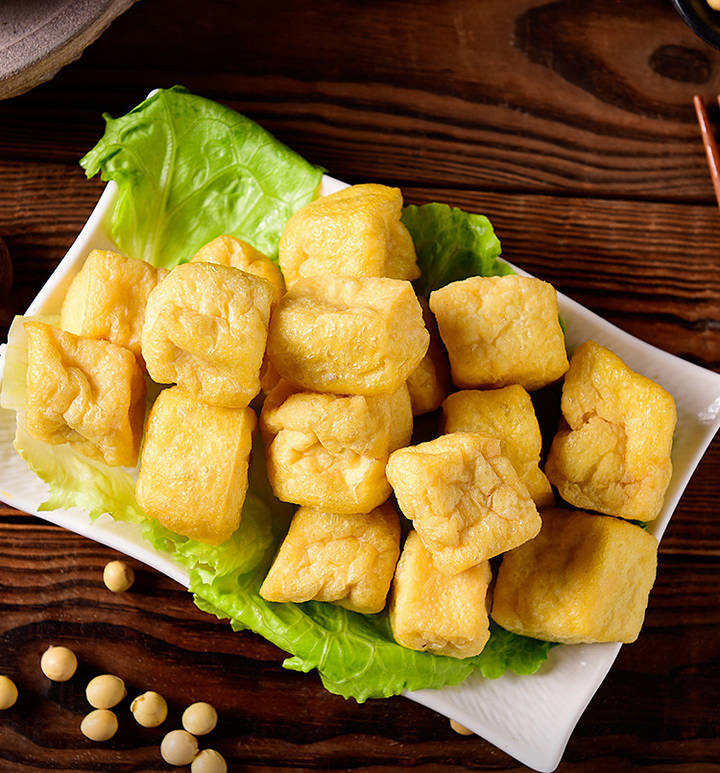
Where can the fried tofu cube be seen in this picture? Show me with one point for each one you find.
(434, 612)
(231, 251)
(194, 465)
(205, 330)
(107, 298)
(615, 456)
(507, 414)
(501, 330)
(347, 335)
(464, 498)
(429, 383)
(354, 232)
(330, 451)
(85, 392)
(346, 559)
(584, 578)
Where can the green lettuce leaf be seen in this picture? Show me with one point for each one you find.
(451, 245)
(189, 169)
(506, 651)
(354, 654)
(242, 553)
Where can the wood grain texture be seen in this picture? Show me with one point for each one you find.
(571, 126)
(500, 95)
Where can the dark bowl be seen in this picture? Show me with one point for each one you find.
(701, 19)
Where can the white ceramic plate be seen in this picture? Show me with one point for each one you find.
(529, 717)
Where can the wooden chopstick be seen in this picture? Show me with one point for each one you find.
(711, 149)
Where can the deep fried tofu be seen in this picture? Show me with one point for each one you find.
(347, 559)
(464, 498)
(354, 232)
(584, 578)
(85, 392)
(501, 330)
(615, 455)
(330, 451)
(507, 414)
(194, 465)
(434, 612)
(348, 335)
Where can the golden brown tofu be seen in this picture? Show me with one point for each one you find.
(85, 392)
(464, 498)
(584, 578)
(506, 414)
(354, 232)
(330, 451)
(615, 456)
(205, 330)
(194, 465)
(429, 383)
(501, 330)
(231, 251)
(107, 298)
(435, 612)
(348, 336)
(347, 559)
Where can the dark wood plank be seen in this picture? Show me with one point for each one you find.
(153, 637)
(521, 95)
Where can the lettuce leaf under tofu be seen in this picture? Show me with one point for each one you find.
(451, 245)
(189, 169)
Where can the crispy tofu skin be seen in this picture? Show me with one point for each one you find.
(431, 611)
(429, 383)
(348, 336)
(584, 578)
(355, 232)
(107, 298)
(507, 414)
(347, 559)
(205, 330)
(230, 251)
(615, 456)
(88, 393)
(464, 498)
(330, 451)
(194, 465)
(501, 330)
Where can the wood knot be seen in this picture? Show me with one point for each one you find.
(680, 63)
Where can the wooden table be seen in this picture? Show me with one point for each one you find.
(569, 124)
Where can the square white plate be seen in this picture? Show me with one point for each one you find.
(529, 717)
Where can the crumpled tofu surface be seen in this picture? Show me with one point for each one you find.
(205, 330)
(584, 578)
(464, 498)
(354, 232)
(434, 612)
(501, 330)
(507, 414)
(194, 466)
(230, 251)
(330, 451)
(348, 335)
(347, 559)
(615, 455)
(85, 392)
(107, 298)
(429, 383)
